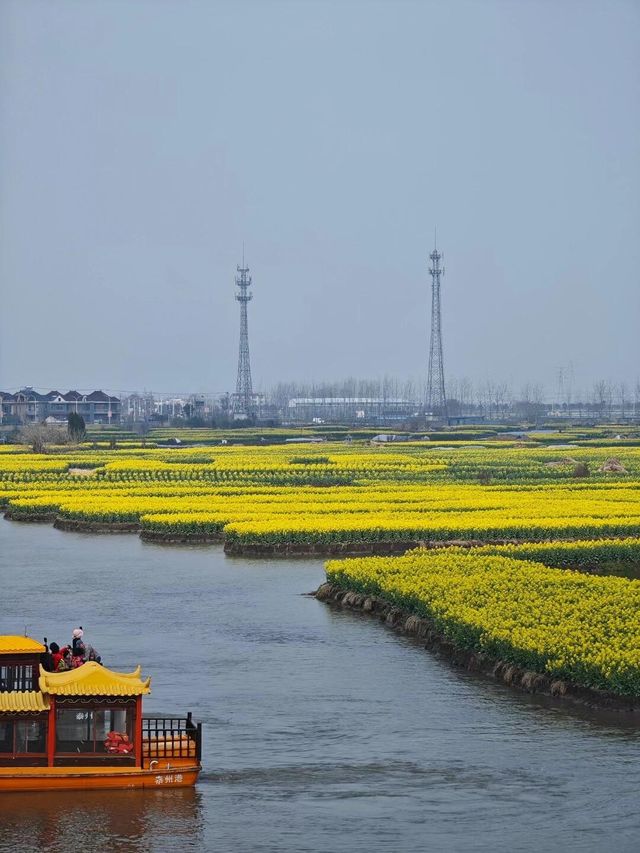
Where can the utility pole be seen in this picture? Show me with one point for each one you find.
(242, 404)
(436, 399)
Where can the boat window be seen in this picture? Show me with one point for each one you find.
(6, 736)
(16, 676)
(29, 736)
(23, 736)
(89, 729)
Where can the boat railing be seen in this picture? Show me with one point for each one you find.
(171, 737)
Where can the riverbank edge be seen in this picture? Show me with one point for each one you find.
(370, 548)
(73, 524)
(423, 629)
(31, 518)
(77, 525)
(380, 548)
(180, 538)
(313, 550)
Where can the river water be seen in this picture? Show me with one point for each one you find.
(324, 731)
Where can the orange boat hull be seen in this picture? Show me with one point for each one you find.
(176, 773)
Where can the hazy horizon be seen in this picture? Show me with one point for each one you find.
(143, 142)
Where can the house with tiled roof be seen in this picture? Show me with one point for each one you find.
(29, 406)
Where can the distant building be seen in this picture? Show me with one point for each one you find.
(171, 407)
(197, 406)
(137, 408)
(145, 408)
(29, 406)
(372, 410)
(25, 406)
(460, 420)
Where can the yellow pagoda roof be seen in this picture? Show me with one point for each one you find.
(13, 644)
(16, 702)
(92, 679)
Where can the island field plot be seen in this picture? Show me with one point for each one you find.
(568, 626)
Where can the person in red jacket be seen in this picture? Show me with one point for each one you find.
(61, 657)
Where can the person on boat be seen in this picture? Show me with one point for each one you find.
(46, 658)
(61, 657)
(77, 636)
(78, 655)
(85, 649)
(91, 654)
(56, 656)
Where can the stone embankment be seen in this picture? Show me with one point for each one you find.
(78, 525)
(345, 549)
(31, 518)
(426, 632)
(318, 549)
(180, 538)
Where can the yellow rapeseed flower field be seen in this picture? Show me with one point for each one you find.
(569, 625)
(510, 600)
(333, 492)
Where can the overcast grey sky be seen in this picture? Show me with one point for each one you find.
(142, 141)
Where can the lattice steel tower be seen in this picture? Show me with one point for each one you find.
(436, 400)
(243, 398)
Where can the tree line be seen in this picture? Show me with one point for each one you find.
(490, 398)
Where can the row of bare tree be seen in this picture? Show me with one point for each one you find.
(494, 399)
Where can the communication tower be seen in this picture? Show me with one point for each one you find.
(242, 405)
(436, 399)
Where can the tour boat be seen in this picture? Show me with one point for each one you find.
(84, 728)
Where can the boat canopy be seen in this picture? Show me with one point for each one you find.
(21, 702)
(92, 679)
(15, 645)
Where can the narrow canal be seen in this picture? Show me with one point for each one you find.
(323, 730)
